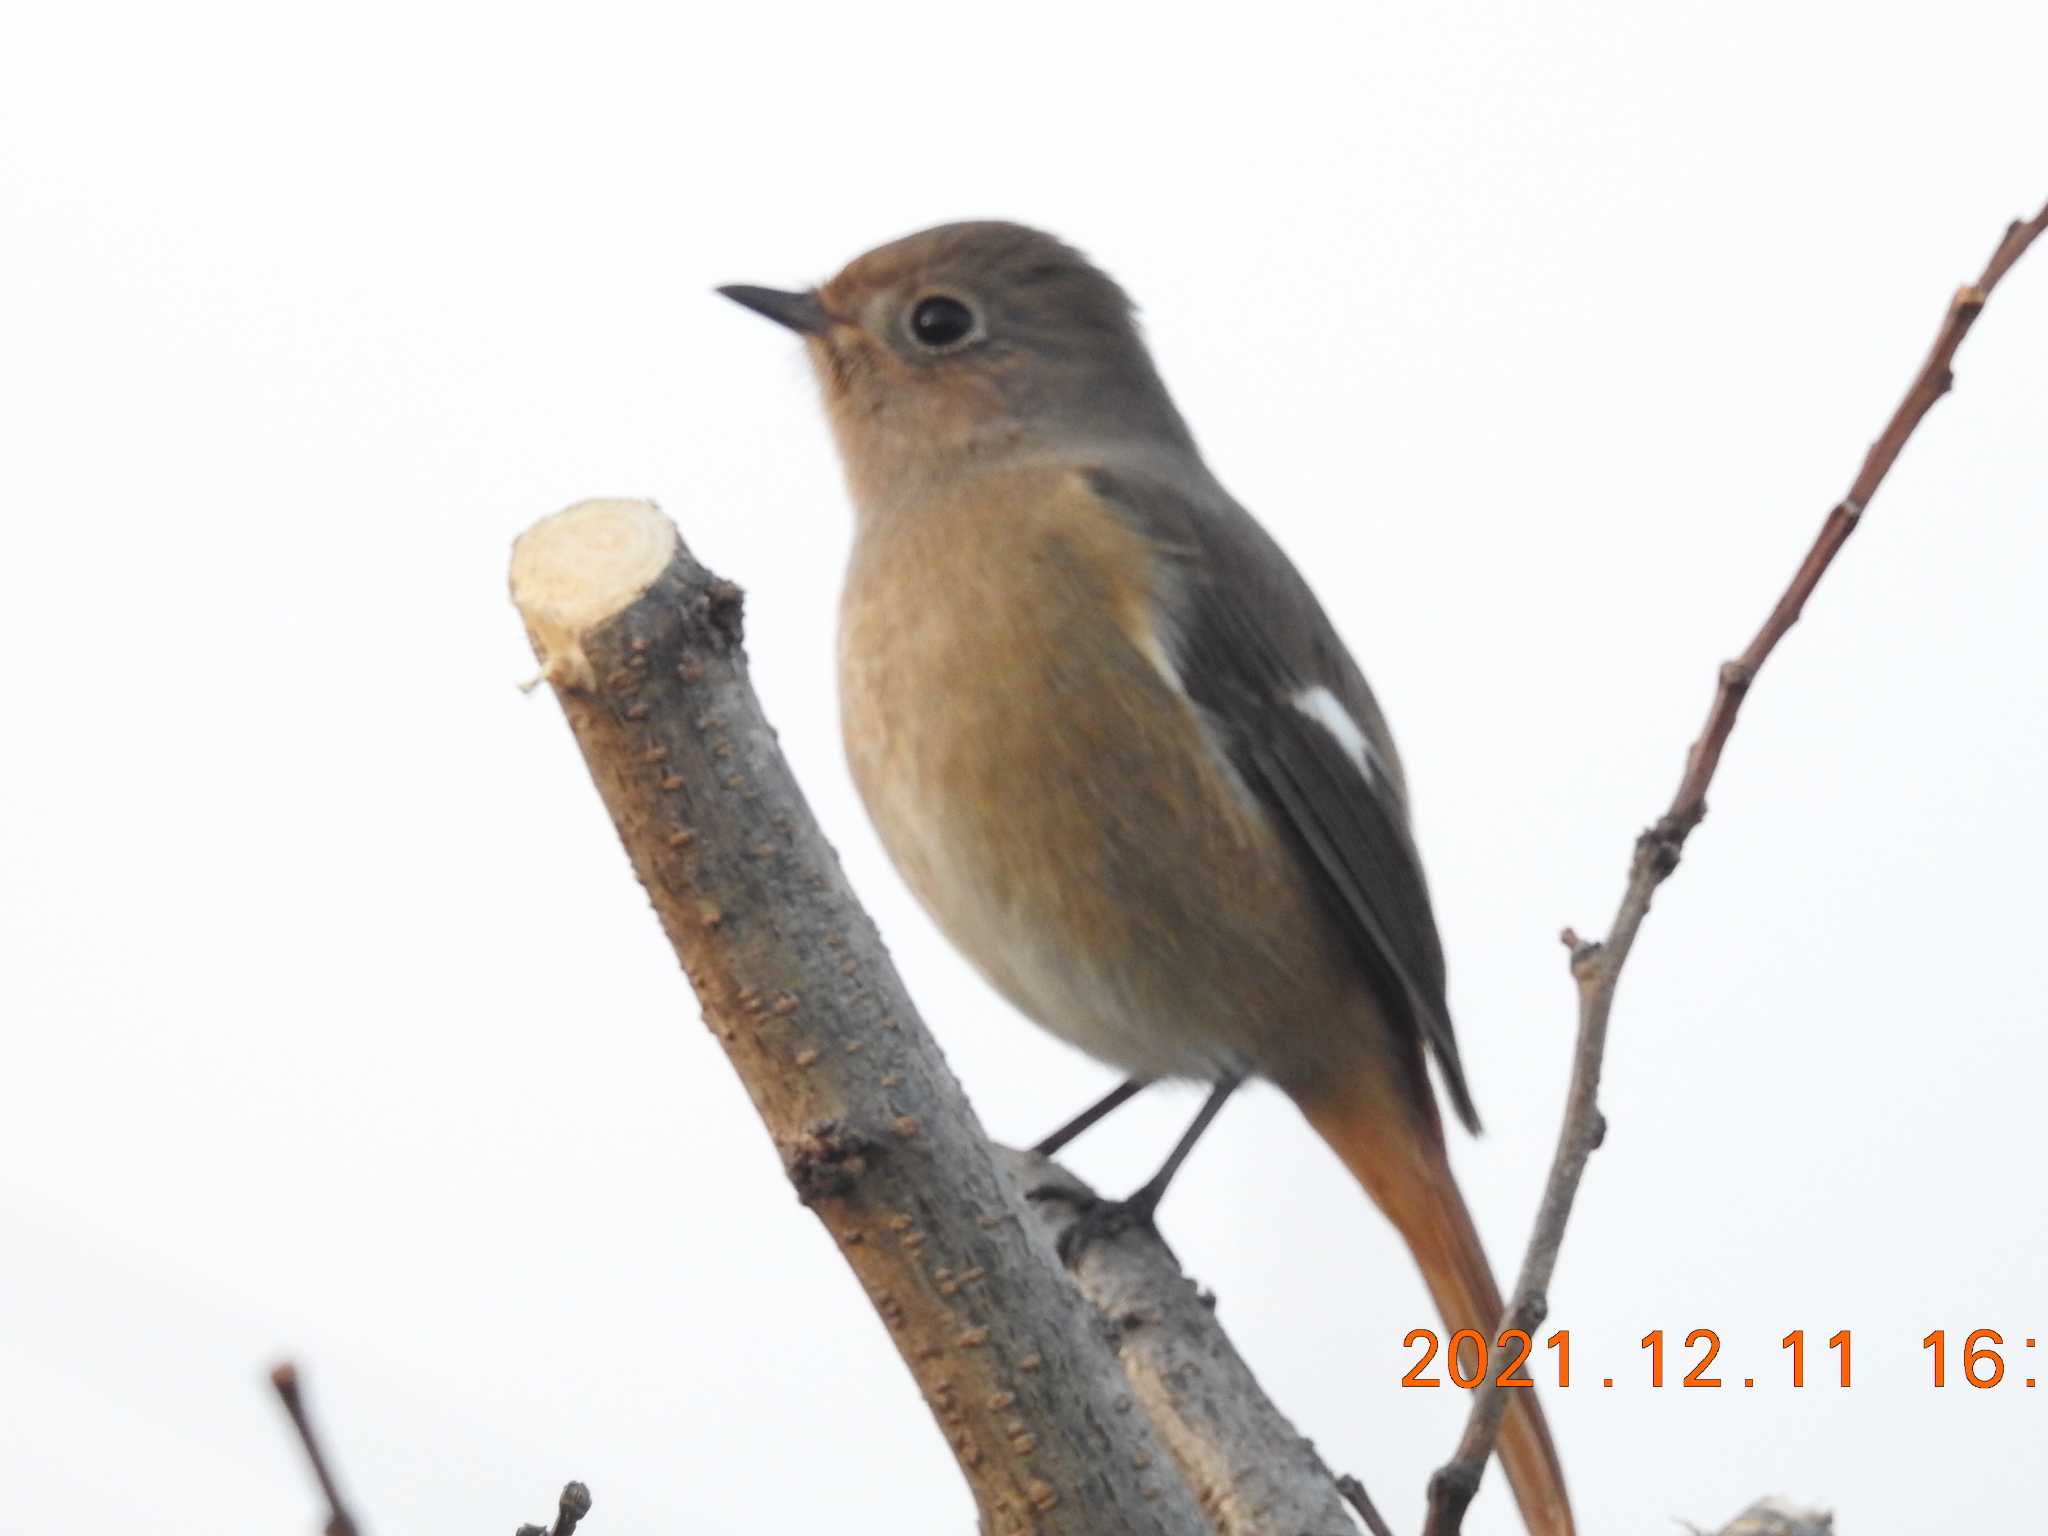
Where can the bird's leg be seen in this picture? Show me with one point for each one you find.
(1145, 1199)
(1106, 1218)
(1116, 1097)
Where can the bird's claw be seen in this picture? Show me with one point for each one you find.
(1095, 1219)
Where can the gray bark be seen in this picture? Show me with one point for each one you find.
(1251, 1469)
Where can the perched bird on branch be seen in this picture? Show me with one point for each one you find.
(1114, 743)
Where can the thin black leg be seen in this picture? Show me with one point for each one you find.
(1145, 1199)
(1115, 1098)
(1105, 1218)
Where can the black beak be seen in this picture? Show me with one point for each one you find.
(801, 312)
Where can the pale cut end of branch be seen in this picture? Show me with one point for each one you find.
(586, 564)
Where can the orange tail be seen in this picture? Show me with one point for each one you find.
(1403, 1167)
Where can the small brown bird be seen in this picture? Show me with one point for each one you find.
(1115, 745)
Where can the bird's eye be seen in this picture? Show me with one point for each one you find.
(940, 322)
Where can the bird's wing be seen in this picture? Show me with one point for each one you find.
(1290, 709)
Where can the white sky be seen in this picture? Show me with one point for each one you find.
(335, 1024)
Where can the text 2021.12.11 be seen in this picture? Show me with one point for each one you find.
(1977, 1358)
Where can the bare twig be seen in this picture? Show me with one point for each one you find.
(1356, 1496)
(1934, 380)
(1597, 967)
(285, 1378)
(574, 1504)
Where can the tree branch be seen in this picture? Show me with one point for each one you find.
(1250, 1468)
(643, 648)
(570, 1509)
(1356, 1496)
(285, 1378)
(1597, 967)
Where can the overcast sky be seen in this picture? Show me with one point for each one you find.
(335, 1024)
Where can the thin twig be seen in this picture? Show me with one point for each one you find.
(1356, 1496)
(285, 1378)
(1597, 967)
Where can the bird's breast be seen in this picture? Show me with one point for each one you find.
(1048, 792)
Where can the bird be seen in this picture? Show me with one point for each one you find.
(1114, 743)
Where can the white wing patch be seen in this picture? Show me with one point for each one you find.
(1328, 711)
(1148, 642)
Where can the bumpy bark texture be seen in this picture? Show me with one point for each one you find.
(872, 1127)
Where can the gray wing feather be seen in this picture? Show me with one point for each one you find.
(1249, 636)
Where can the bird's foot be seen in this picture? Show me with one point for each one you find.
(1096, 1220)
